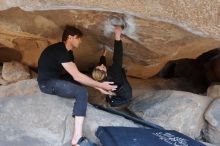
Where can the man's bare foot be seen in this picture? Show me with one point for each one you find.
(74, 141)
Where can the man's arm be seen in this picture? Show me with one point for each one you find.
(72, 69)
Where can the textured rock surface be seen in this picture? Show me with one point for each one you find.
(34, 120)
(21, 88)
(181, 111)
(46, 120)
(15, 71)
(8, 54)
(208, 144)
(140, 87)
(156, 31)
(200, 72)
(214, 91)
(2, 81)
(212, 116)
(199, 16)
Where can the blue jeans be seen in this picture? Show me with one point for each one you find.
(68, 89)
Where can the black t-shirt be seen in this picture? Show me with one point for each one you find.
(49, 63)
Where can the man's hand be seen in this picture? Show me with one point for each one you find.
(108, 86)
(71, 68)
(105, 91)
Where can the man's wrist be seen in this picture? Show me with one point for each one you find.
(99, 85)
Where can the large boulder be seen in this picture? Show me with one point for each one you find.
(214, 91)
(33, 120)
(212, 116)
(8, 54)
(177, 110)
(213, 69)
(15, 71)
(201, 72)
(20, 88)
(177, 12)
(2, 81)
(156, 32)
(208, 144)
(46, 120)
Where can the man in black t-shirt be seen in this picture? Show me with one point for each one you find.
(53, 61)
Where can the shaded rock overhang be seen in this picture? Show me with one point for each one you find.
(157, 31)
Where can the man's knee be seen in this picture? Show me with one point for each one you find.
(44, 88)
(83, 93)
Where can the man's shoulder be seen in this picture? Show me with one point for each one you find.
(56, 45)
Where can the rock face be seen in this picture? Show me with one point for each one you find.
(15, 71)
(200, 72)
(46, 120)
(175, 11)
(214, 91)
(2, 81)
(214, 69)
(21, 88)
(212, 116)
(35, 120)
(189, 69)
(156, 32)
(8, 54)
(29, 116)
(181, 111)
(97, 118)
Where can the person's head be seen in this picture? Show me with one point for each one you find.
(72, 35)
(99, 72)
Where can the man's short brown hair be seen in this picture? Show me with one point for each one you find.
(71, 30)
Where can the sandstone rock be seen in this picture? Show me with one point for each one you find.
(97, 118)
(181, 111)
(15, 71)
(177, 12)
(214, 91)
(212, 116)
(2, 81)
(141, 86)
(46, 120)
(20, 88)
(213, 69)
(33, 74)
(154, 42)
(34, 120)
(30, 49)
(208, 144)
(201, 72)
(8, 54)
